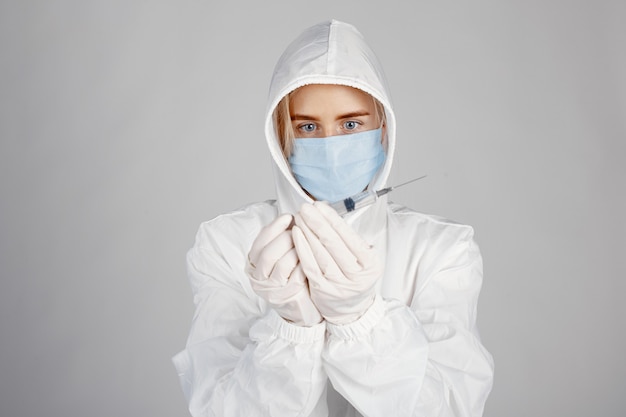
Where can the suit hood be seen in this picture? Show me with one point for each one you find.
(331, 52)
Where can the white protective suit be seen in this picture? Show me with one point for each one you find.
(415, 352)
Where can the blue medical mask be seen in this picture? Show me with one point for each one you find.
(337, 167)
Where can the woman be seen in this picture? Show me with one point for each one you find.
(300, 312)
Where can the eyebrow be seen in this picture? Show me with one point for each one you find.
(343, 116)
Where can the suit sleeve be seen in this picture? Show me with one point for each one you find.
(422, 359)
(242, 358)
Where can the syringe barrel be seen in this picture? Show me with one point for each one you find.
(354, 202)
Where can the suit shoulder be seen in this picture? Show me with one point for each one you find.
(242, 224)
(406, 217)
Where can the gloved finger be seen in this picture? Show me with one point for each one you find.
(330, 238)
(302, 311)
(267, 234)
(297, 276)
(324, 260)
(308, 264)
(271, 253)
(292, 290)
(356, 244)
(284, 267)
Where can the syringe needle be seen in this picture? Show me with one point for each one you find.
(408, 182)
(384, 191)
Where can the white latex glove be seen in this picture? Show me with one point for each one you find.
(277, 277)
(341, 267)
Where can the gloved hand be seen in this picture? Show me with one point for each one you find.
(341, 267)
(277, 277)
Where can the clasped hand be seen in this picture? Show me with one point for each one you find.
(319, 267)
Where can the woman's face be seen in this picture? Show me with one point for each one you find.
(322, 110)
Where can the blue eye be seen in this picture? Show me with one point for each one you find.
(350, 125)
(307, 127)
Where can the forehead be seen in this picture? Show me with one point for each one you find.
(329, 96)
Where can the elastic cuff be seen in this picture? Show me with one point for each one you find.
(293, 332)
(363, 325)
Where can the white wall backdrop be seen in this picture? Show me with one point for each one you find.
(124, 124)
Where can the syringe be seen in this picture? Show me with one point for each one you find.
(364, 198)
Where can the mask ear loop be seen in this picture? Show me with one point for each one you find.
(381, 113)
(383, 135)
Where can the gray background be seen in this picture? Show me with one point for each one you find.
(124, 124)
